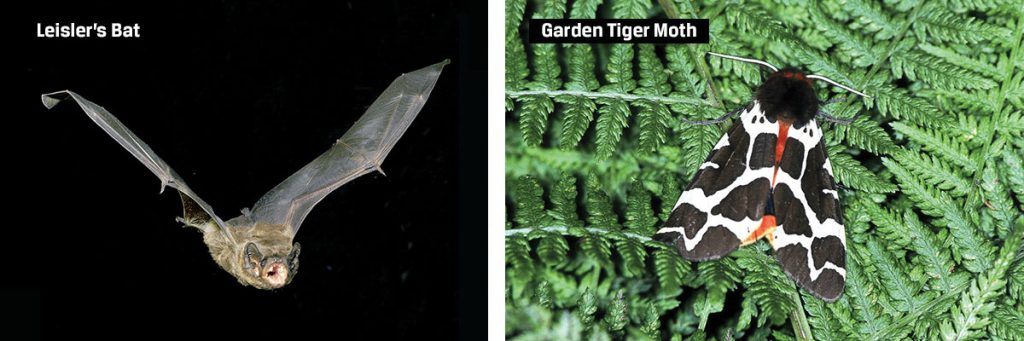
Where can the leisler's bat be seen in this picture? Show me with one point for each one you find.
(257, 247)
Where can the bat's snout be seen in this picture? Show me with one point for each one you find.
(276, 274)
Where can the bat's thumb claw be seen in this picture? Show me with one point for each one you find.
(381, 171)
(163, 185)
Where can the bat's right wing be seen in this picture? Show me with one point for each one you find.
(197, 211)
(361, 150)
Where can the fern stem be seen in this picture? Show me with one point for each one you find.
(670, 9)
(672, 13)
(595, 94)
(798, 317)
(611, 234)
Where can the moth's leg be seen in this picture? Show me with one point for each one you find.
(834, 100)
(717, 120)
(840, 121)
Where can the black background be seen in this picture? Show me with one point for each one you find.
(236, 96)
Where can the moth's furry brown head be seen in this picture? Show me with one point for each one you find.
(269, 265)
(788, 95)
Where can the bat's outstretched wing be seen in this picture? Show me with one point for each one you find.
(361, 150)
(197, 211)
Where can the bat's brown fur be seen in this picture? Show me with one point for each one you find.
(272, 241)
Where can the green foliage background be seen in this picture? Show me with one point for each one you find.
(933, 187)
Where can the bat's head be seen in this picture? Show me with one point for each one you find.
(268, 266)
(788, 95)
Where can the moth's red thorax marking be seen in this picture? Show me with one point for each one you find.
(780, 146)
(767, 229)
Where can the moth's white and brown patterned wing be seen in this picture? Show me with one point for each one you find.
(810, 241)
(727, 197)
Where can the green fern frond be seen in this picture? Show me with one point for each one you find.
(640, 217)
(930, 168)
(858, 48)
(619, 73)
(825, 321)
(1007, 323)
(973, 102)
(767, 286)
(613, 118)
(896, 104)
(942, 25)
(580, 68)
(851, 173)
(975, 252)
(1014, 174)
(970, 317)
(936, 172)
(870, 18)
(938, 265)
(697, 142)
(653, 78)
(936, 142)
(906, 293)
(672, 271)
(563, 202)
(859, 291)
(867, 135)
(599, 206)
(936, 72)
(584, 9)
(597, 248)
(516, 69)
(961, 60)
(517, 253)
(633, 255)
(529, 205)
(997, 200)
(653, 122)
(684, 76)
(552, 247)
(533, 118)
(753, 20)
(630, 9)
(719, 277)
(579, 111)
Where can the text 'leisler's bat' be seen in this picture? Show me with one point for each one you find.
(257, 247)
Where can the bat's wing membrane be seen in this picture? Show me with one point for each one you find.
(197, 211)
(361, 150)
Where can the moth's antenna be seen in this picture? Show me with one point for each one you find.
(837, 84)
(746, 60)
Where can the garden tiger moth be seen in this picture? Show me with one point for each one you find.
(769, 176)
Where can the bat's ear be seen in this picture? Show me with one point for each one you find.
(253, 256)
(293, 258)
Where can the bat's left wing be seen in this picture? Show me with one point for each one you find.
(361, 150)
(197, 211)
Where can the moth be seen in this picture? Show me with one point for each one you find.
(257, 247)
(769, 176)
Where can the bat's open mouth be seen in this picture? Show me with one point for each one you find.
(276, 274)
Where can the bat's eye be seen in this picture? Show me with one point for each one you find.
(253, 256)
(293, 258)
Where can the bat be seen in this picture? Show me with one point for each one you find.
(769, 176)
(257, 247)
